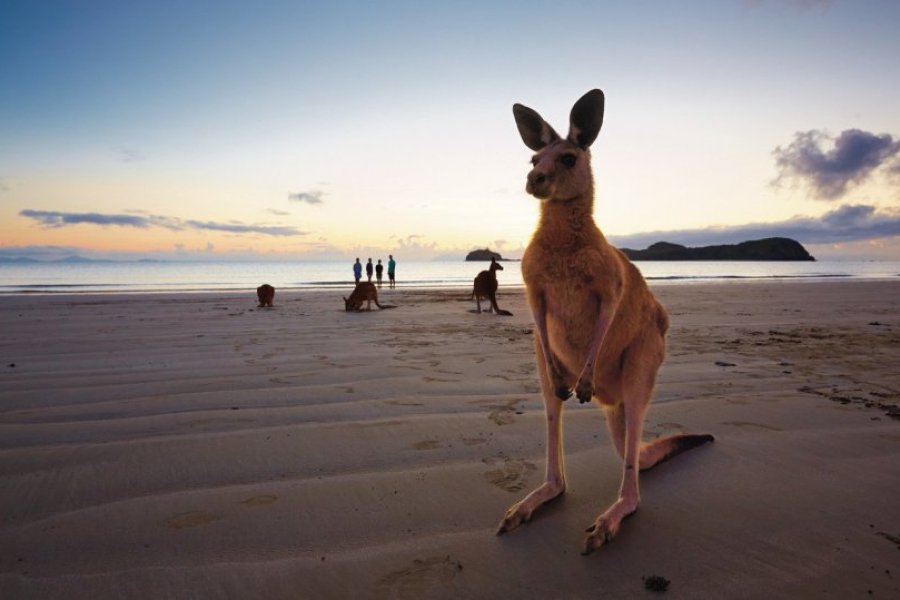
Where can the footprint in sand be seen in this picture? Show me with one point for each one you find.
(264, 500)
(196, 518)
(474, 441)
(427, 445)
(749, 425)
(423, 576)
(502, 414)
(511, 474)
(404, 403)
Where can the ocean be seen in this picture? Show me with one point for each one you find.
(174, 276)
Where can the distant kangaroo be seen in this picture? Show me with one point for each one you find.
(265, 294)
(364, 291)
(598, 328)
(486, 287)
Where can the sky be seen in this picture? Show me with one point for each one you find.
(330, 130)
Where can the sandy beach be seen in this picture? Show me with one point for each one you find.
(196, 446)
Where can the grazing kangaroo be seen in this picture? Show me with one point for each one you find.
(266, 294)
(599, 329)
(364, 291)
(486, 287)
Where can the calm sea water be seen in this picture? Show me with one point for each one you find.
(108, 277)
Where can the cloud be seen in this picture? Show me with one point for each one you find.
(3, 186)
(310, 197)
(277, 213)
(852, 159)
(60, 219)
(128, 155)
(55, 219)
(241, 228)
(845, 224)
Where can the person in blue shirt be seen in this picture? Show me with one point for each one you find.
(357, 270)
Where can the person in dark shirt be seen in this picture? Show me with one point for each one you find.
(379, 269)
(392, 269)
(369, 269)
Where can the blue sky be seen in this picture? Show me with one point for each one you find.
(327, 130)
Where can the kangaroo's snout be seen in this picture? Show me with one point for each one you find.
(538, 183)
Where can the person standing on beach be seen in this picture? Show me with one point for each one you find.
(392, 267)
(369, 269)
(379, 269)
(357, 270)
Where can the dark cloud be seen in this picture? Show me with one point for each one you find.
(310, 197)
(242, 228)
(61, 219)
(829, 172)
(844, 224)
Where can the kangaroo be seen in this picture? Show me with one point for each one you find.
(598, 328)
(266, 294)
(364, 291)
(486, 287)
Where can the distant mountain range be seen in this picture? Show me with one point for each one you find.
(775, 248)
(74, 259)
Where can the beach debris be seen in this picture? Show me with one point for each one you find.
(656, 583)
(722, 363)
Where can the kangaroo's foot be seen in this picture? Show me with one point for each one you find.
(521, 511)
(607, 525)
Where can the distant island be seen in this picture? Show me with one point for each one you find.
(484, 254)
(775, 248)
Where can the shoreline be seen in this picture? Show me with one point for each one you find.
(193, 445)
(413, 287)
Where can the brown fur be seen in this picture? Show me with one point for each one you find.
(599, 329)
(266, 295)
(486, 287)
(365, 291)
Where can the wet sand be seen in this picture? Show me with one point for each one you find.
(196, 446)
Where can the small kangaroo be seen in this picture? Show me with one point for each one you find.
(486, 287)
(266, 294)
(598, 328)
(364, 291)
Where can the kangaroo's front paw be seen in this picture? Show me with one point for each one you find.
(560, 387)
(584, 390)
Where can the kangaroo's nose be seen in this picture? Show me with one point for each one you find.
(536, 178)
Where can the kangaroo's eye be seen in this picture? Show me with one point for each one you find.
(568, 160)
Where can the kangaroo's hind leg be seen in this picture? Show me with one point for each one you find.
(635, 379)
(555, 475)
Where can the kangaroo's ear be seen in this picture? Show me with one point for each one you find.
(534, 130)
(586, 119)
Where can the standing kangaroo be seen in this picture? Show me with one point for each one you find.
(599, 329)
(486, 287)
